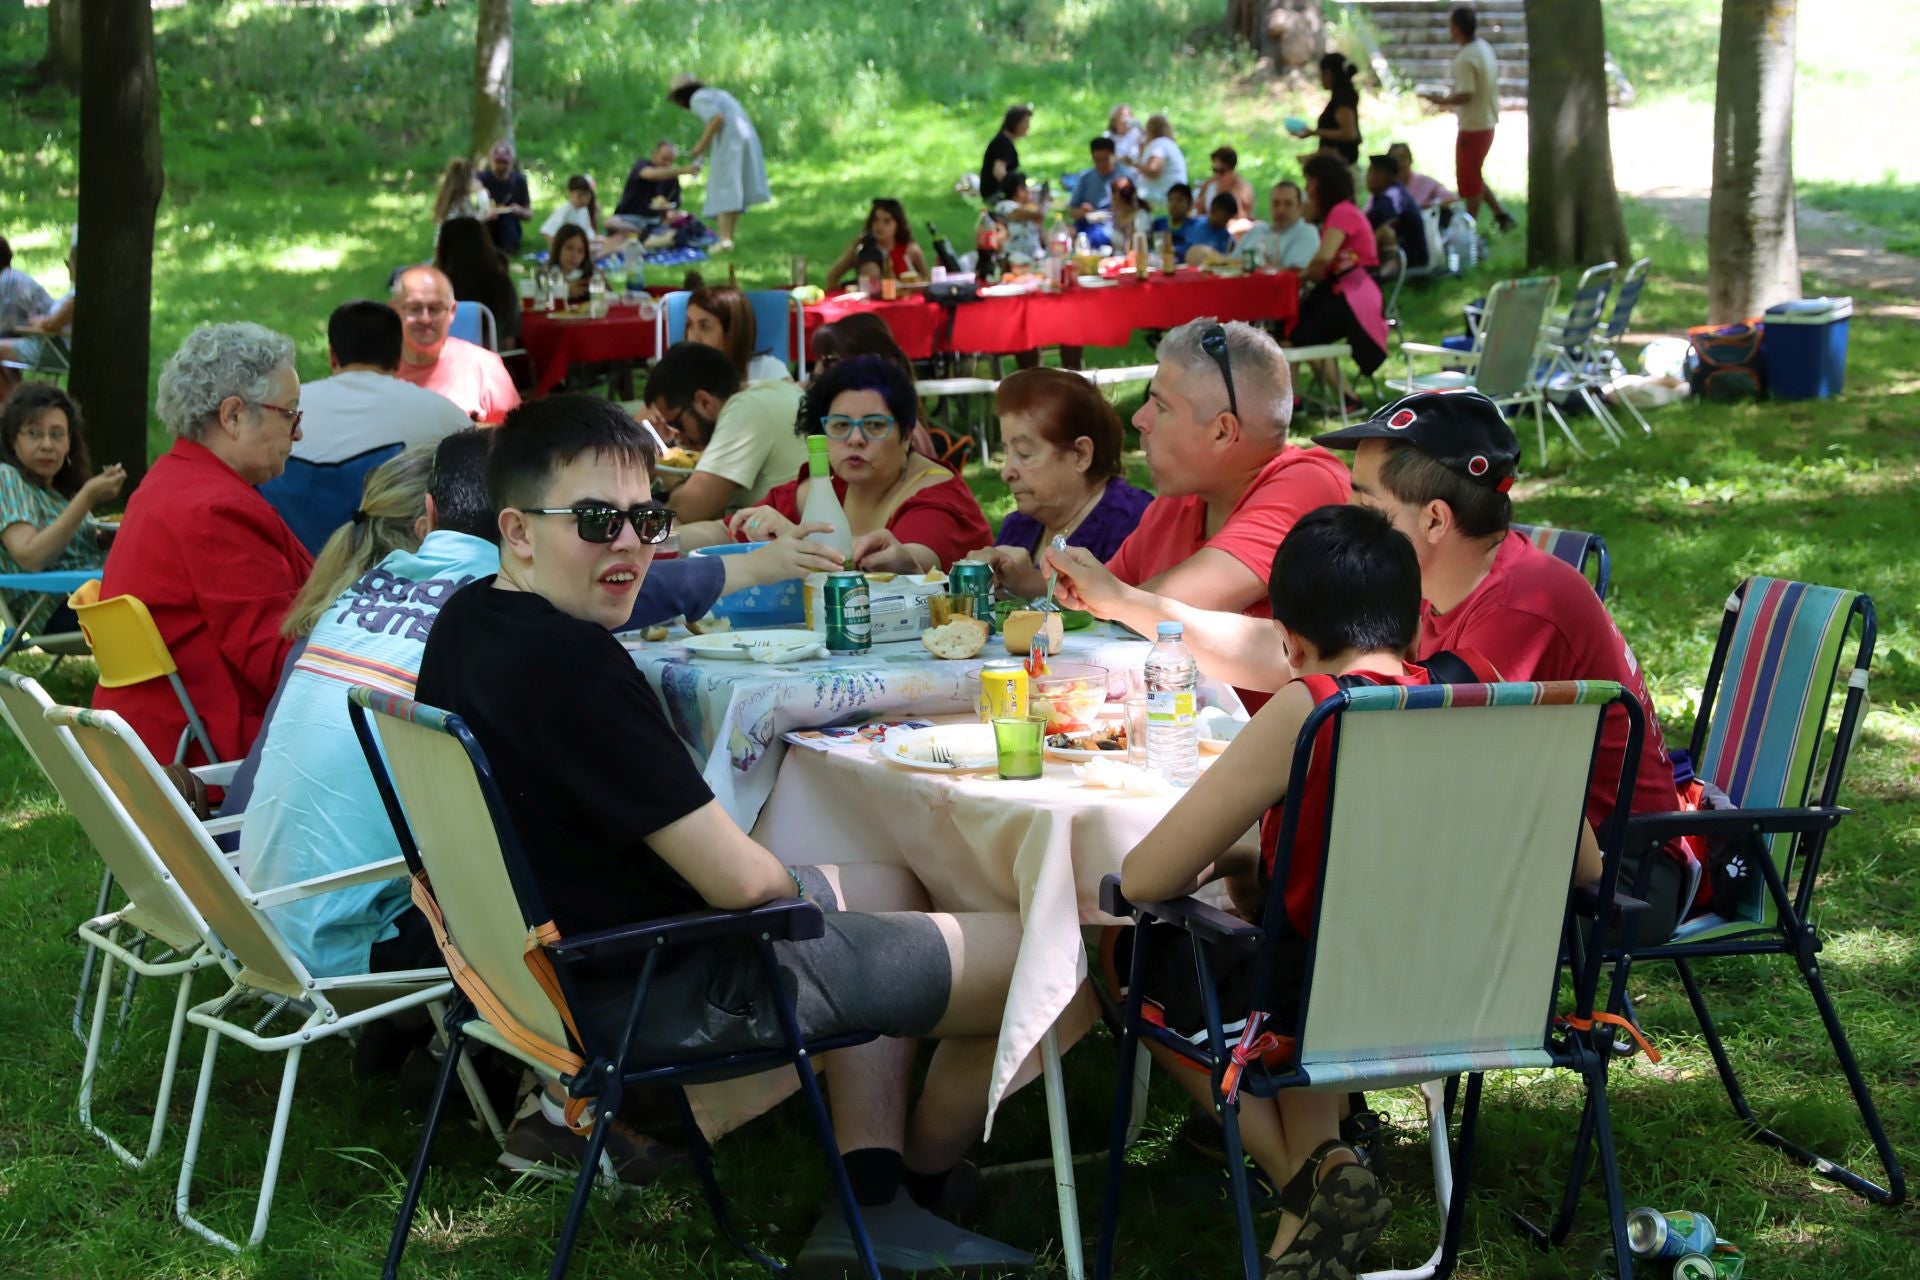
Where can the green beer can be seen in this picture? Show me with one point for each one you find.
(849, 610)
(974, 578)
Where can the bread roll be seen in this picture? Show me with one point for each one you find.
(961, 638)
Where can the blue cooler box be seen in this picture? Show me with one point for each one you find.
(1805, 348)
(778, 604)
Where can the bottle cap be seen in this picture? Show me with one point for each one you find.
(1170, 630)
(817, 460)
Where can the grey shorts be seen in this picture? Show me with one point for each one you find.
(888, 974)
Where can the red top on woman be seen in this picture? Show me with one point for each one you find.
(945, 518)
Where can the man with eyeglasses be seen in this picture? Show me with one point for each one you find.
(617, 827)
(464, 372)
(1214, 428)
(364, 405)
(744, 433)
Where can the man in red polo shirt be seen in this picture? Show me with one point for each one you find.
(1439, 464)
(1214, 428)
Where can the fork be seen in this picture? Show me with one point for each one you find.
(940, 754)
(1046, 604)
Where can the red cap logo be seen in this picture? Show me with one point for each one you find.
(1503, 485)
(1402, 420)
(1477, 465)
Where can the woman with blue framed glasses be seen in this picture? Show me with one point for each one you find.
(909, 514)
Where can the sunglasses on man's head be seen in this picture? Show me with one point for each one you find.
(1214, 342)
(601, 522)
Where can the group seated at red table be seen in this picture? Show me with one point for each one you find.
(908, 513)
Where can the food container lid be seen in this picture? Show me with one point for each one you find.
(1810, 311)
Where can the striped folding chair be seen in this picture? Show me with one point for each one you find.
(1584, 551)
(1766, 727)
(1470, 982)
(516, 974)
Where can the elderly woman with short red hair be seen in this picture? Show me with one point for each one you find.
(1063, 467)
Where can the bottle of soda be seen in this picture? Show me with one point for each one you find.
(1173, 725)
(943, 250)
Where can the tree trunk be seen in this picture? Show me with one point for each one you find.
(61, 65)
(1573, 210)
(493, 76)
(120, 185)
(1289, 33)
(1753, 253)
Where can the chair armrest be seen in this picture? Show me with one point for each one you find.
(1646, 830)
(1429, 349)
(367, 873)
(223, 826)
(216, 775)
(1190, 914)
(1586, 902)
(782, 920)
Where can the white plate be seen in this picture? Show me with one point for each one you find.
(734, 646)
(971, 745)
(1068, 753)
(1217, 731)
(1096, 282)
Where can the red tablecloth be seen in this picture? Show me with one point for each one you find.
(554, 344)
(1100, 317)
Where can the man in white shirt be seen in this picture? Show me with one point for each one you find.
(1289, 240)
(1476, 94)
(363, 405)
(745, 433)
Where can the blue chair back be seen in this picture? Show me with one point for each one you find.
(1581, 550)
(1625, 300)
(473, 322)
(315, 498)
(1589, 301)
(772, 322)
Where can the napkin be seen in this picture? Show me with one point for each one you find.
(792, 651)
(1118, 775)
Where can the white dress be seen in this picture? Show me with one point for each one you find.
(737, 171)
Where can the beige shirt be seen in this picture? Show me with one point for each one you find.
(1476, 72)
(753, 443)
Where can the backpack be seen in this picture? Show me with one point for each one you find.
(1726, 365)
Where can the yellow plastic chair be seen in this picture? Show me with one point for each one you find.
(129, 650)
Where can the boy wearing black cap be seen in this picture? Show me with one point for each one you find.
(1439, 464)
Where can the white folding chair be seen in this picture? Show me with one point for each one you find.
(260, 963)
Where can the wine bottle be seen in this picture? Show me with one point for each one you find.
(943, 250)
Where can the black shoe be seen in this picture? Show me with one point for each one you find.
(1505, 222)
(907, 1241)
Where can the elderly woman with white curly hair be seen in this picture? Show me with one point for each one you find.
(215, 565)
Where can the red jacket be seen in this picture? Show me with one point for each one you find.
(218, 568)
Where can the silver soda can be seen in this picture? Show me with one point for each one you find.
(1653, 1234)
(849, 610)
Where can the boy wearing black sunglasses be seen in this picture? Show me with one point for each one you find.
(618, 827)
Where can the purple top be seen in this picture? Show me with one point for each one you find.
(1102, 532)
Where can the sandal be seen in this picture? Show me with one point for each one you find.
(1344, 1213)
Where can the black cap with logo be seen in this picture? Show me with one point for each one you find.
(1462, 430)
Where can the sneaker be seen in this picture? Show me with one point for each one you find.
(907, 1241)
(540, 1142)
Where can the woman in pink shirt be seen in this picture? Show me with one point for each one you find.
(1345, 305)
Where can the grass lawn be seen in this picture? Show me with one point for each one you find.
(301, 145)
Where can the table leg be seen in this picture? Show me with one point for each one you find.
(1063, 1180)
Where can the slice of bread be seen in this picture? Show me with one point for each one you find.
(1022, 625)
(961, 638)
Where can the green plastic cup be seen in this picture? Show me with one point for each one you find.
(1018, 745)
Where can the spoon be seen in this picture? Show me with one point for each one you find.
(1047, 605)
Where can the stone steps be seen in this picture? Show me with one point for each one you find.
(1414, 47)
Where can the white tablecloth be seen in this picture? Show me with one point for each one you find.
(731, 714)
(978, 844)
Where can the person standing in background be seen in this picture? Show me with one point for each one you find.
(737, 179)
(1339, 125)
(512, 203)
(1128, 137)
(1476, 95)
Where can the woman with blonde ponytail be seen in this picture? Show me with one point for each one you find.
(392, 517)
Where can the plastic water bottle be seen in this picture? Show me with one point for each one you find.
(1173, 725)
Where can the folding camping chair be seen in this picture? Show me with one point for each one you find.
(1760, 737)
(52, 360)
(1605, 353)
(1583, 551)
(517, 974)
(315, 498)
(1570, 369)
(1448, 998)
(474, 322)
(157, 912)
(1508, 347)
(129, 649)
(42, 592)
(252, 949)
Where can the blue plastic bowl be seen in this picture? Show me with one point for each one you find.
(778, 604)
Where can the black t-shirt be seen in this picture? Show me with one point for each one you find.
(1330, 119)
(636, 198)
(579, 745)
(1396, 206)
(1001, 148)
(511, 189)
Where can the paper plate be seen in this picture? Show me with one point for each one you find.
(971, 747)
(737, 646)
